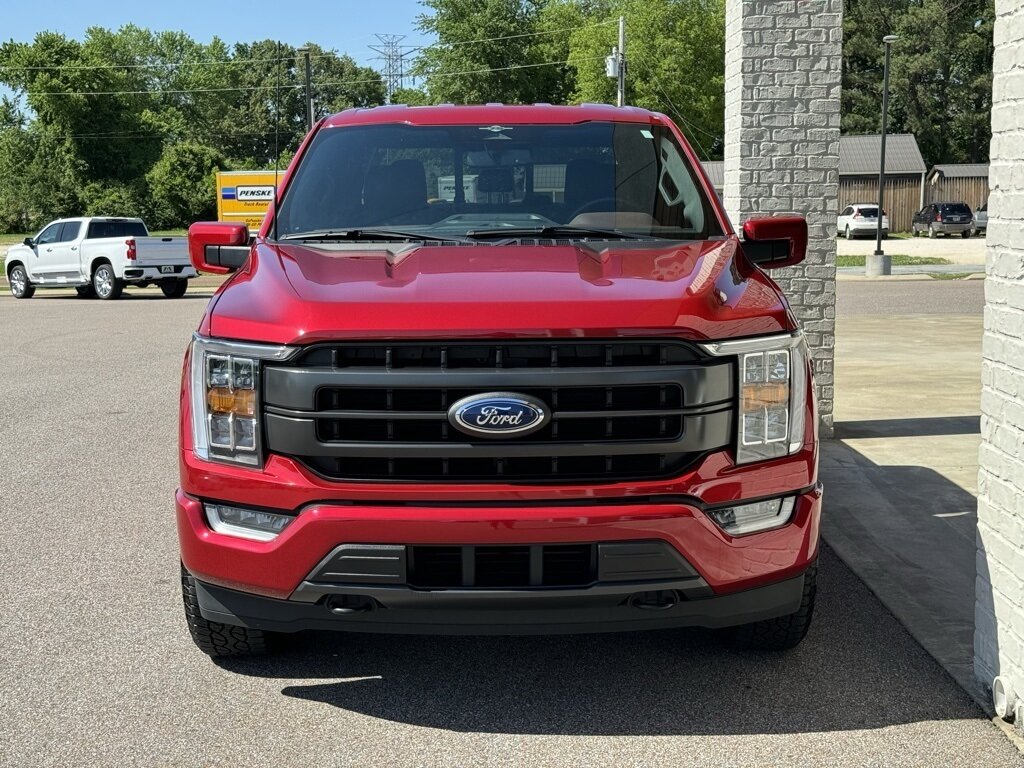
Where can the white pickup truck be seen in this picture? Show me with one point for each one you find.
(98, 256)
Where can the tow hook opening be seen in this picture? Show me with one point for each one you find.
(347, 605)
(660, 600)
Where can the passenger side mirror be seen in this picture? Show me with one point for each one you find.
(219, 247)
(775, 241)
(29, 242)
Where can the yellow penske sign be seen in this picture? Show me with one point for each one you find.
(245, 196)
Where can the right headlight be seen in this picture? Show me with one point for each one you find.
(773, 392)
(225, 383)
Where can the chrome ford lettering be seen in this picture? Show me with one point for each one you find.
(498, 415)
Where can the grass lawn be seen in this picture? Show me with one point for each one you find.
(898, 260)
(12, 239)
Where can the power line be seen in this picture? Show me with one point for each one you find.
(524, 34)
(338, 83)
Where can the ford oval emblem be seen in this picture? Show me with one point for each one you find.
(498, 415)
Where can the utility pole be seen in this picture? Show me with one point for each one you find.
(615, 64)
(309, 88)
(622, 62)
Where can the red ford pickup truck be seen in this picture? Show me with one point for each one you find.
(497, 369)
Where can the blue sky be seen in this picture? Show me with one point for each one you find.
(347, 26)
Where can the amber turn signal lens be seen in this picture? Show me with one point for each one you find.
(764, 395)
(241, 402)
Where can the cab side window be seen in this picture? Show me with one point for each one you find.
(50, 234)
(847, 211)
(69, 231)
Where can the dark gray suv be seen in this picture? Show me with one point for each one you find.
(944, 219)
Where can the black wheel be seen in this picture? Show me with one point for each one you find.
(965, 234)
(931, 231)
(216, 639)
(784, 632)
(21, 286)
(85, 291)
(105, 284)
(174, 289)
(848, 236)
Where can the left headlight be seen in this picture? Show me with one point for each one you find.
(225, 384)
(773, 393)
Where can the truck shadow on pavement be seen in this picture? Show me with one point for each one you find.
(854, 671)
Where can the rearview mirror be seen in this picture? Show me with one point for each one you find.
(775, 241)
(218, 246)
(29, 242)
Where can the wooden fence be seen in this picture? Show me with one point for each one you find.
(972, 190)
(902, 196)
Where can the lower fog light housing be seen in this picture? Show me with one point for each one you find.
(754, 517)
(246, 523)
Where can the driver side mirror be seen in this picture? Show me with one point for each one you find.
(29, 242)
(775, 241)
(219, 247)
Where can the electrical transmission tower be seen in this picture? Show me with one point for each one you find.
(392, 53)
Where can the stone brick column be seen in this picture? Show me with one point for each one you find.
(783, 70)
(999, 610)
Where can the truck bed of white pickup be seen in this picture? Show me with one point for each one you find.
(99, 256)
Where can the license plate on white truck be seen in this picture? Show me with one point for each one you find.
(167, 270)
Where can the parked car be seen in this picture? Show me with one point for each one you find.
(98, 256)
(943, 219)
(861, 219)
(574, 402)
(981, 220)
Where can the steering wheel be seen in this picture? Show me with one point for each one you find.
(594, 205)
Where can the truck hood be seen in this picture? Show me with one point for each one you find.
(301, 293)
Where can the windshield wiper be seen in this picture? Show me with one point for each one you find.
(560, 230)
(368, 234)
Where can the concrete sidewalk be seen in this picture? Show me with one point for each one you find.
(901, 477)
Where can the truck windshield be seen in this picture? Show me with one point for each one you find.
(477, 180)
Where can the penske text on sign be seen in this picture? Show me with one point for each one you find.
(245, 196)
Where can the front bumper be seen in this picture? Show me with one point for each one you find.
(728, 580)
(152, 274)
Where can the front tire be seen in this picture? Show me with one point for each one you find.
(783, 632)
(215, 639)
(21, 286)
(174, 289)
(105, 283)
(848, 235)
(965, 234)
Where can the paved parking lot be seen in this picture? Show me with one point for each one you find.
(98, 668)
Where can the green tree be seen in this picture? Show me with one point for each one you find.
(181, 184)
(486, 51)
(675, 53)
(941, 81)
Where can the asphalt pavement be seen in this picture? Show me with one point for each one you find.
(98, 669)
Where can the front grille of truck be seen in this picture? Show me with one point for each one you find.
(621, 410)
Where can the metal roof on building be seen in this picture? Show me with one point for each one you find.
(858, 155)
(959, 170)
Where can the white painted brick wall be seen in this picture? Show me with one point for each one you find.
(999, 611)
(783, 70)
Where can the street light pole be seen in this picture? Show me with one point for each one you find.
(882, 264)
